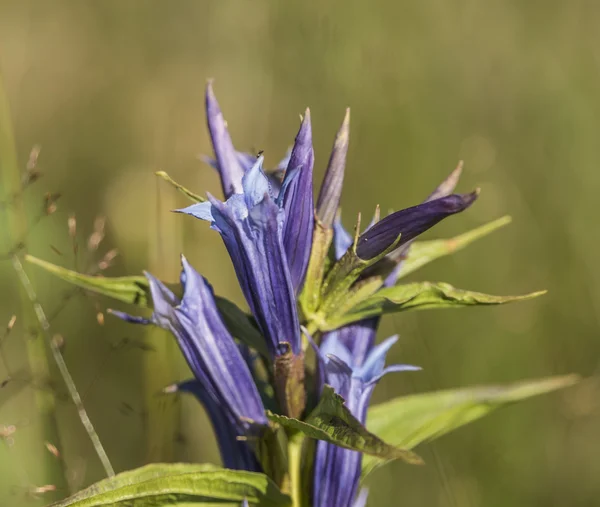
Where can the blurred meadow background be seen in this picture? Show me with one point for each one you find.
(112, 91)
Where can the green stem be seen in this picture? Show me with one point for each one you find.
(15, 230)
(295, 468)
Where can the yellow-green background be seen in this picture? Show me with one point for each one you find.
(112, 90)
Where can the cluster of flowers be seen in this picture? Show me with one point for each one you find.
(295, 264)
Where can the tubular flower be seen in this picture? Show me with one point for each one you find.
(251, 226)
(337, 470)
(223, 381)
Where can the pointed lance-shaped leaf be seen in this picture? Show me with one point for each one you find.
(136, 290)
(298, 203)
(419, 296)
(409, 223)
(180, 484)
(332, 422)
(409, 420)
(331, 189)
(228, 164)
(412, 256)
(424, 252)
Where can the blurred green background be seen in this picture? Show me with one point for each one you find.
(112, 91)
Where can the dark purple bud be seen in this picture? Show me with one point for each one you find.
(227, 159)
(331, 189)
(409, 223)
(298, 204)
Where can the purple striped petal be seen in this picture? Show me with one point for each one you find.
(298, 204)
(207, 336)
(357, 338)
(227, 161)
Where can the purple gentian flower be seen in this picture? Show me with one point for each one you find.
(336, 473)
(297, 183)
(223, 381)
(251, 225)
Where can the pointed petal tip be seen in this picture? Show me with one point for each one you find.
(345, 122)
(305, 132)
(211, 99)
(184, 262)
(468, 199)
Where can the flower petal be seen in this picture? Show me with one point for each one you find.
(298, 205)
(255, 184)
(341, 238)
(202, 210)
(375, 361)
(357, 338)
(228, 164)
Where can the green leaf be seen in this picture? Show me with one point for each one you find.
(332, 422)
(410, 420)
(188, 193)
(136, 290)
(179, 485)
(128, 289)
(419, 296)
(424, 252)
